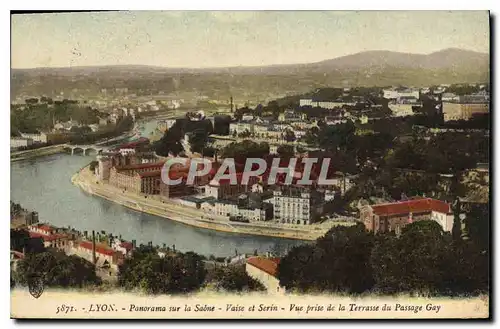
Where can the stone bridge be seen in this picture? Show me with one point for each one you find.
(97, 148)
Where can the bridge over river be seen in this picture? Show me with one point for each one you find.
(96, 147)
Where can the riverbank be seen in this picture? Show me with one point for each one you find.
(42, 151)
(85, 180)
(59, 148)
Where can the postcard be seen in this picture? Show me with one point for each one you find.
(250, 165)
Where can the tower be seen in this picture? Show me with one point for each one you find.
(231, 100)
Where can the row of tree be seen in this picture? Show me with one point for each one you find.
(41, 116)
(423, 260)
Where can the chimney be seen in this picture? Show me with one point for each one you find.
(93, 248)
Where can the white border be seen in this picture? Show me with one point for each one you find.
(200, 5)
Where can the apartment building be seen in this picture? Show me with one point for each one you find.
(293, 205)
(392, 217)
(463, 111)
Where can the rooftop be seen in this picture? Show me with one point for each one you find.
(142, 166)
(127, 245)
(154, 173)
(411, 206)
(268, 265)
(46, 237)
(99, 249)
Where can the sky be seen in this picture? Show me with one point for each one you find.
(197, 39)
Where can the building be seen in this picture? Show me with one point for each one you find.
(51, 236)
(124, 247)
(237, 209)
(247, 117)
(449, 97)
(290, 116)
(42, 228)
(147, 182)
(58, 240)
(17, 142)
(392, 217)
(463, 111)
(193, 201)
(105, 256)
(103, 168)
(292, 205)
(138, 178)
(37, 138)
(240, 127)
(265, 270)
(401, 110)
(223, 189)
(324, 104)
(23, 218)
(396, 94)
(126, 180)
(335, 120)
(126, 151)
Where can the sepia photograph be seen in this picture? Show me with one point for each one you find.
(250, 164)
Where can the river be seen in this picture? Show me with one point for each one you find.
(44, 185)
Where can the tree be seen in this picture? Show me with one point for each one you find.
(198, 140)
(477, 223)
(289, 136)
(20, 240)
(285, 151)
(240, 151)
(57, 270)
(338, 262)
(236, 279)
(170, 142)
(174, 273)
(426, 260)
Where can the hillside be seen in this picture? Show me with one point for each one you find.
(370, 68)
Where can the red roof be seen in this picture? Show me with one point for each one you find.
(98, 248)
(268, 265)
(150, 173)
(127, 245)
(142, 166)
(46, 237)
(413, 206)
(45, 227)
(133, 144)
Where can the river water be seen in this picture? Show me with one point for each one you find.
(44, 185)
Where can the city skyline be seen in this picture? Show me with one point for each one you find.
(209, 39)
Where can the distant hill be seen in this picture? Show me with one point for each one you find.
(369, 68)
